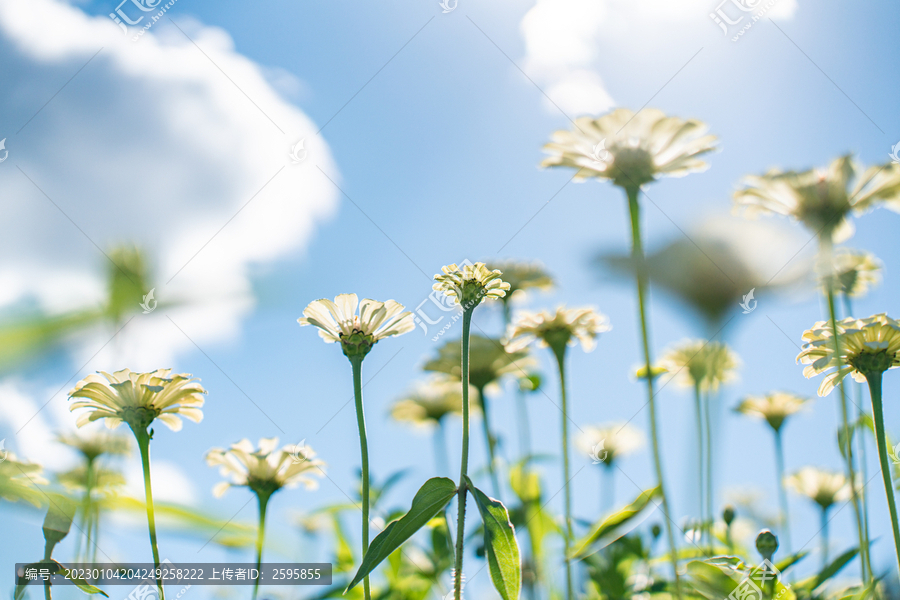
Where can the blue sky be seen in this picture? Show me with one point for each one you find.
(433, 134)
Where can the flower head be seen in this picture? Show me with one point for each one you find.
(564, 326)
(775, 407)
(522, 276)
(266, 469)
(19, 480)
(95, 444)
(855, 271)
(868, 346)
(470, 284)
(357, 333)
(821, 199)
(138, 398)
(631, 149)
(430, 401)
(819, 485)
(609, 442)
(489, 361)
(701, 363)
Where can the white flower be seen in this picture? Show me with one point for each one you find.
(565, 326)
(612, 440)
(138, 398)
(821, 199)
(266, 469)
(637, 148)
(338, 321)
(470, 284)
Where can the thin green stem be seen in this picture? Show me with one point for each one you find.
(608, 479)
(464, 462)
(709, 475)
(874, 380)
(356, 363)
(48, 555)
(824, 534)
(637, 252)
(782, 492)
(861, 439)
(560, 353)
(143, 441)
(263, 499)
(698, 407)
(865, 565)
(489, 441)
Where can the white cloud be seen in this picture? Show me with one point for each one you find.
(150, 143)
(567, 41)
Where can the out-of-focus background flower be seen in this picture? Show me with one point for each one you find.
(171, 164)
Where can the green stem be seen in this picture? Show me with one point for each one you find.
(698, 406)
(263, 499)
(464, 463)
(48, 555)
(861, 441)
(637, 252)
(782, 492)
(560, 353)
(865, 565)
(874, 380)
(824, 535)
(489, 441)
(356, 363)
(143, 440)
(709, 474)
(608, 478)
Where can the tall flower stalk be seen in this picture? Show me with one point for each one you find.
(775, 408)
(139, 399)
(559, 330)
(867, 348)
(825, 488)
(428, 405)
(264, 470)
(703, 366)
(468, 286)
(489, 363)
(630, 150)
(338, 322)
(824, 200)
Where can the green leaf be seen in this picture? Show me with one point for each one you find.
(832, 569)
(615, 525)
(54, 567)
(500, 544)
(58, 521)
(428, 502)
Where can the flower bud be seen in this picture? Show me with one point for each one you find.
(766, 544)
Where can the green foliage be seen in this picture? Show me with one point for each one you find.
(431, 499)
(501, 548)
(615, 525)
